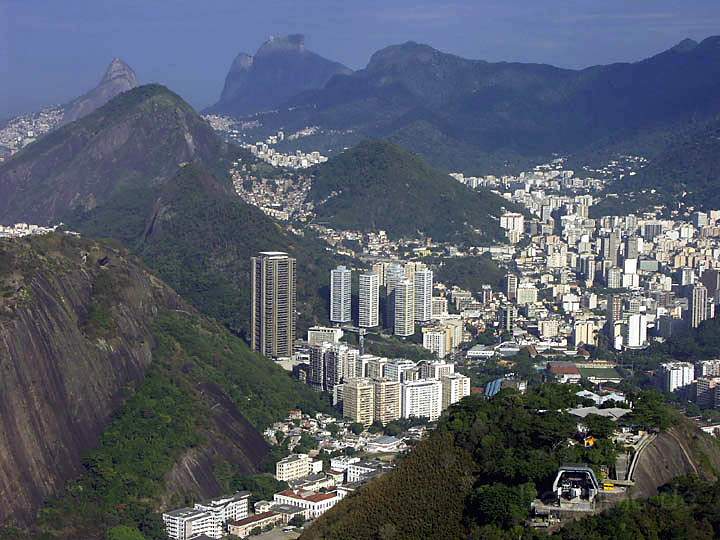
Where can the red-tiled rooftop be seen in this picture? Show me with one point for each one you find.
(563, 368)
(252, 519)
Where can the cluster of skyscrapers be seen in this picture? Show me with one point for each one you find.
(407, 295)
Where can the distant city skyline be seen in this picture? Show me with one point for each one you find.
(52, 52)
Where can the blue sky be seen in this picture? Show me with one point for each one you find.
(53, 50)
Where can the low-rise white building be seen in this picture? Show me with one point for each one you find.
(314, 504)
(187, 523)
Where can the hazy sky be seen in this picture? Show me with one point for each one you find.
(53, 50)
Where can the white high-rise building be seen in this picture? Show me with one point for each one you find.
(512, 222)
(585, 332)
(323, 334)
(511, 285)
(208, 518)
(677, 375)
(454, 387)
(387, 400)
(439, 307)
(398, 369)
(340, 295)
(698, 305)
(636, 331)
(422, 399)
(404, 308)
(423, 283)
(186, 523)
(369, 300)
(394, 274)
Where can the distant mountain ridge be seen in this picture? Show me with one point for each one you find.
(118, 78)
(480, 116)
(280, 69)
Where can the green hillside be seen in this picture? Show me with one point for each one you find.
(480, 469)
(140, 382)
(477, 473)
(146, 170)
(688, 167)
(197, 367)
(378, 185)
(199, 238)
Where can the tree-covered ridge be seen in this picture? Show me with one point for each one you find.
(469, 273)
(147, 170)
(688, 167)
(199, 238)
(378, 185)
(486, 117)
(480, 469)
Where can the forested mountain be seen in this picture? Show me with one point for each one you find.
(477, 473)
(145, 169)
(379, 185)
(482, 116)
(115, 384)
(280, 69)
(687, 169)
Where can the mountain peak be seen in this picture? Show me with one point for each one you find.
(404, 53)
(280, 69)
(118, 69)
(686, 45)
(289, 43)
(118, 78)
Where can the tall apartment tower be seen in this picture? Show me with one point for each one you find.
(511, 285)
(340, 295)
(273, 304)
(369, 304)
(404, 308)
(614, 311)
(394, 274)
(508, 316)
(359, 401)
(423, 283)
(387, 400)
(697, 308)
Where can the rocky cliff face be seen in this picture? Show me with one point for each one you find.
(118, 78)
(62, 376)
(682, 450)
(76, 336)
(280, 69)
